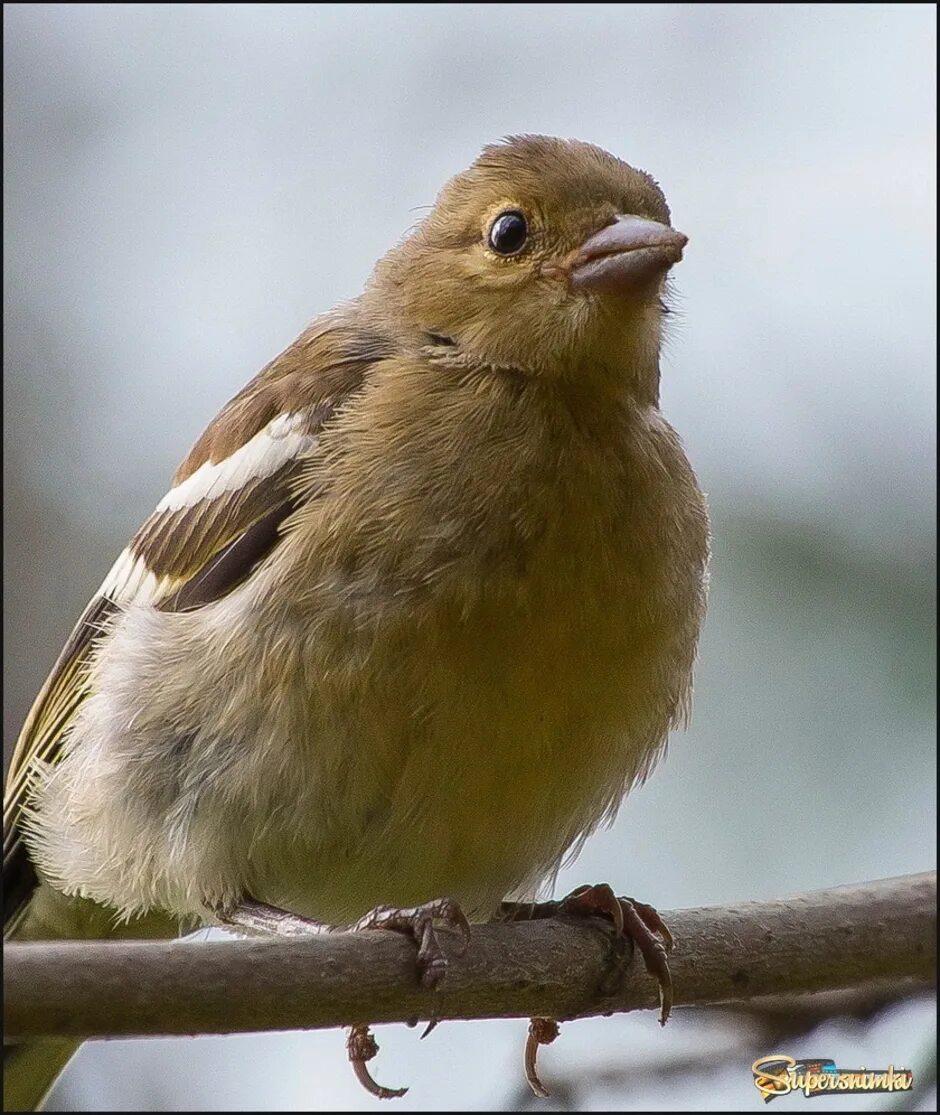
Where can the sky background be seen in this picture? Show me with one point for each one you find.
(186, 186)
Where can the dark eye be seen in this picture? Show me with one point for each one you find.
(508, 233)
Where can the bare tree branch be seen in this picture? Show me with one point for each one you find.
(821, 941)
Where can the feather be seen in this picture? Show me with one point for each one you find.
(221, 519)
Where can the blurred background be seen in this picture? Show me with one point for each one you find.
(187, 185)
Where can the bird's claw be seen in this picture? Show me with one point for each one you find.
(418, 923)
(636, 920)
(542, 1031)
(361, 1047)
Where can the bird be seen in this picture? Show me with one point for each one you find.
(420, 607)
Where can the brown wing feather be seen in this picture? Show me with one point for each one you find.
(182, 558)
(232, 564)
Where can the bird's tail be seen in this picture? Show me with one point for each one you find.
(30, 1068)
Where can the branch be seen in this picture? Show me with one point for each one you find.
(820, 941)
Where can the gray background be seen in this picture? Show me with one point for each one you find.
(186, 186)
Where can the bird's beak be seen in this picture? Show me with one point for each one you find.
(626, 254)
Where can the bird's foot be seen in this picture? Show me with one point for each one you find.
(416, 922)
(636, 920)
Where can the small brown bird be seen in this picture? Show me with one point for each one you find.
(418, 610)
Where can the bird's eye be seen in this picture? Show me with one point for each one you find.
(508, 233)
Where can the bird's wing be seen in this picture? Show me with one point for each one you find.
(218, 523)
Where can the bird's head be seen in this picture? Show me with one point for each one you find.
(546, 255)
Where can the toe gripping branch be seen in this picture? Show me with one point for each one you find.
(431, 966)
(636, 920)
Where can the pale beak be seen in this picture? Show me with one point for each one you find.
(624, 255)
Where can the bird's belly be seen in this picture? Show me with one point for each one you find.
(362, 752)
(463, 759)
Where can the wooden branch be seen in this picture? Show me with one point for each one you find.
(821, 941)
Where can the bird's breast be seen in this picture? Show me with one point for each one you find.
(487, 691)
